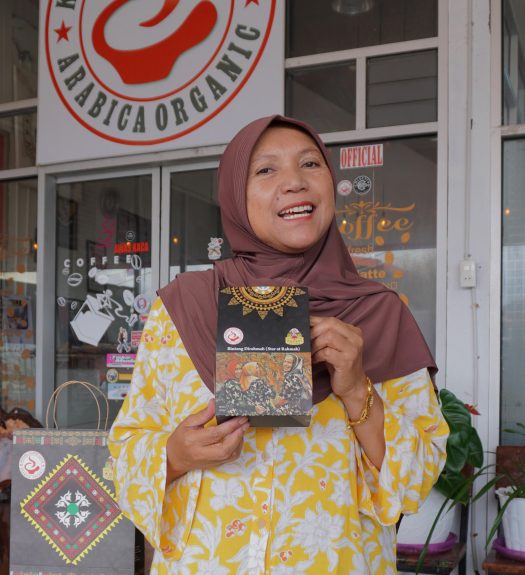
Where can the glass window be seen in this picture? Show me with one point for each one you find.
(17, 141)
(513, 49)
(386, 212)
(18, 252)
(323, 96)
(103, 288)
(513, 289)
(196, 238)
(18, 49)
(402, 89)
(315, 26)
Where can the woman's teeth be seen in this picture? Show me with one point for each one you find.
(296, 212)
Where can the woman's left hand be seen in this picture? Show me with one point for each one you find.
(340, 346)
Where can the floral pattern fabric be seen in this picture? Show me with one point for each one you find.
(297, 501)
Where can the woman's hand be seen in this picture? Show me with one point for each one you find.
(340, 346)
(193, 446)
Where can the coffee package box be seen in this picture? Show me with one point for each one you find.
(264, 367)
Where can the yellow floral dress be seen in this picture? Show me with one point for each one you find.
(297, 501)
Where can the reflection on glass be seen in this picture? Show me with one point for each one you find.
(17, 141)
(18, 49)
(196, 238)
(513, 80)
(103, 288)
(18, 250)
(386, 212)
(314, 27)
(323, 96)
(513, 290)
(401, 89)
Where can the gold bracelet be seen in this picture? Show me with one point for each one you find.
(368, 404)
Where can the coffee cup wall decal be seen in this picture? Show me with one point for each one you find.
(154, 63)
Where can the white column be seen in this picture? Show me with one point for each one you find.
(468, 362)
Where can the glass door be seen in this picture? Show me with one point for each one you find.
(191, 220)
(18, 256)
(386, 213)
(106, 277)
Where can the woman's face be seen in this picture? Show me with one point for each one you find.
(287, 363)
(289, 194)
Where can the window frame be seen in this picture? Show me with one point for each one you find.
(13, 109)
(439, 128)
(500, 133)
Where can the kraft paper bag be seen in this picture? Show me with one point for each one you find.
(64, 517)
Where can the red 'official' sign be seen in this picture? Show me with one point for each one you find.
(361, 156)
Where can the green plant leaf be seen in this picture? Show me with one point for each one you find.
(475, 447)
(456, 414)
(457, 450)
(487, 487)
(454, 486)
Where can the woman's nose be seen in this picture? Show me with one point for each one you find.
(293, 180)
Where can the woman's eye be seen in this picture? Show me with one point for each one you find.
(262, 171)
(311, 164)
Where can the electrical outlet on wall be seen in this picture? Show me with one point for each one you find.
(467, 274)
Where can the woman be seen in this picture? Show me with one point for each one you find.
(324, 499)
(258, 393)
(295, 391)
(229, 398)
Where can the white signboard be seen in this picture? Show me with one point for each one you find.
(129, 76)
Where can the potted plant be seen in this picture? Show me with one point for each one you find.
(510, 483)
(454, 485)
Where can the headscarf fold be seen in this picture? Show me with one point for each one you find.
(393, 343)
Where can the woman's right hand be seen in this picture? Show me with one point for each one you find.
(193, 446)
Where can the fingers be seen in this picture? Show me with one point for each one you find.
(335, 342)
(201, 417)
(227, 450)
(218, 433)
(194, 446)
(334, 334)
(320, 325)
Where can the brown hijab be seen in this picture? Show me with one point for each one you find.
(393, 344)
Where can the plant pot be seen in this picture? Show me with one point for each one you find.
(414, 528)
(513, 520)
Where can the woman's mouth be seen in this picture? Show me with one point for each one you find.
(296, 211)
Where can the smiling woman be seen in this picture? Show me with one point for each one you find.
(227, 498)
(289, 191)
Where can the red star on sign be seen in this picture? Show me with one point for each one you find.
(63, 32)
(248, 2)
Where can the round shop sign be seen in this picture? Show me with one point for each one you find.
(149, 72)
(362, 185)
(344, 188)
(32, 465)
(112, 375)
(141, 303)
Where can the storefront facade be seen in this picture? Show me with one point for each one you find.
(421, 103)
